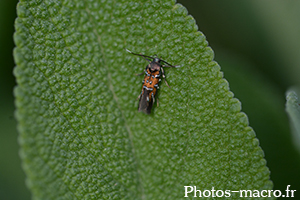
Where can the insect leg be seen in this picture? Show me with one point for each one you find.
(140, 73)
(139, 96)
(164, 77)
(152, 95)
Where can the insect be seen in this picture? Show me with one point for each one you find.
(153, 73)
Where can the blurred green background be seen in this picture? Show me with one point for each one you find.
(12, 177)
(257, 45)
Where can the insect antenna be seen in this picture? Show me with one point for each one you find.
(144, 56)
(168, 64)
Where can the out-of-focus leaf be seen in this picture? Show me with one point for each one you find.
(293, 110)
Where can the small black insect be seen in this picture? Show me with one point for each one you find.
(153, 73)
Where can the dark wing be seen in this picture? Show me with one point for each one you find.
(144, 105)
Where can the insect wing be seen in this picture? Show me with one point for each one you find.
(145, 105)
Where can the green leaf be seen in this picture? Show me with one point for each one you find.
(81, 136)
(293, 110)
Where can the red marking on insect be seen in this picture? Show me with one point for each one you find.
(153, 73)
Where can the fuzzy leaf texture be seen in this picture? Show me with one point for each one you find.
(293, 111)
(81, 136)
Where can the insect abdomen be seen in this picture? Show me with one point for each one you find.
(145, 103)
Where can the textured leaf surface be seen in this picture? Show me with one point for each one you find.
(80, 133)
(293, 110)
